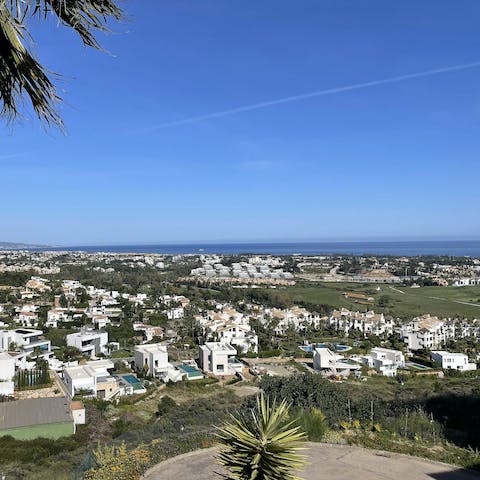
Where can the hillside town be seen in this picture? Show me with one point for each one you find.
(64, 340)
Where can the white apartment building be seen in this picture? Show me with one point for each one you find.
(385, 360)
(153, 359)
(93, 377)
(468, 328)
(89, 342)
(369, 323)
(219, 358)
(7, 372)
(229, 326)
(451, 360)
(296, 317)
(427, 332)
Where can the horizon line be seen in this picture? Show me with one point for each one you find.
(240, 242)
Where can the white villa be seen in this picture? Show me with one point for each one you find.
(326, 361)
(385, 360)
(27, 319)
(24, 338)
(90, 342)
(153, 359)
(219, 358)
(93, 377)
(56, 315)
(451, 360)
(7, 372)
(148, 331)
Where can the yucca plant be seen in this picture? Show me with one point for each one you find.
(22, 77)
(264, 444)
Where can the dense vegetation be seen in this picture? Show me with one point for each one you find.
(181, 421)
(420, 410)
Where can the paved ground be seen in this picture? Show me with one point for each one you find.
(325, 462)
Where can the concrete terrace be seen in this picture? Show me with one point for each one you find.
(325, 462)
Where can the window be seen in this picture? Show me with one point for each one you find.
(221, 368)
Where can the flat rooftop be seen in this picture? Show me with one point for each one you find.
(34, 411)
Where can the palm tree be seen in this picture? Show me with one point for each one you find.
(21, 75)
(264, 445)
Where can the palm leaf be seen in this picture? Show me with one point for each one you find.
(21, 75)
(264, 446)
(84, 16)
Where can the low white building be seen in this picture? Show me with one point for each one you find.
(452, 360)
(54, 316)
(92, 379)
(100, 321)
(385, 360)
(7, 372)
(27, 342)
(149, 331)
(219, 358)
(152, 358)
(89, 342)
(174, 313)
(27, 319)
(329, 362)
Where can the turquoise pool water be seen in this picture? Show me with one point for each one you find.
(417, 366)
(134, 381)
(337, 347)
(191, 371)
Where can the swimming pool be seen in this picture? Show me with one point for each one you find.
(337, 347)
(417, 366)
(192, 372)
(134, 382)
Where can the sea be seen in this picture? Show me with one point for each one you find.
(470, 248)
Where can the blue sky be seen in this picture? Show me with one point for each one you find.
(392, 161)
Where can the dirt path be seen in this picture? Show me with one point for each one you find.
(325, 462)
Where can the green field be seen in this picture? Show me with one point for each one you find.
(403, 302)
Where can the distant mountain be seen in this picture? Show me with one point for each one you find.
(18, 246)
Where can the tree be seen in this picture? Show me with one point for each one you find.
(21, 75)
(63, 301)
(263, 445)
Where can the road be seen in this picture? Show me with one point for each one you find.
(325, 462)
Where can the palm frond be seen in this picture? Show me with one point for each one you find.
(21, 74)
(84, 16)
(264, 446)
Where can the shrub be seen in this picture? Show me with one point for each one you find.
(313, 423)
(117, 463)
(165, 405)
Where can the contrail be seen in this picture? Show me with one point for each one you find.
(317, 93)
